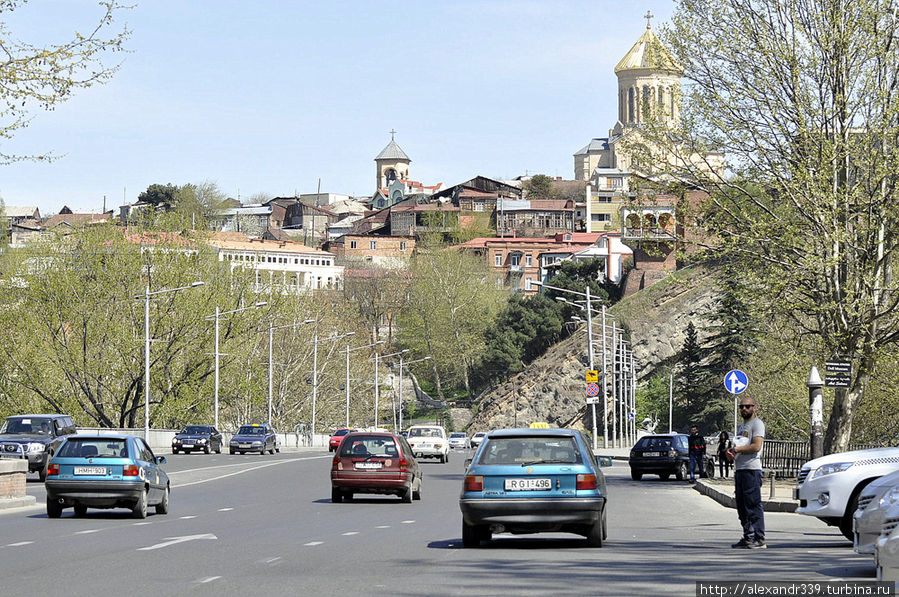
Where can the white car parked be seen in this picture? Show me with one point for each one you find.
(886, 550)
(429, 441)
(829, 487)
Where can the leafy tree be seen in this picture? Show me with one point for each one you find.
(539, 186)
(197, 203)
(800, 98)
(160, 196)
(34, 77)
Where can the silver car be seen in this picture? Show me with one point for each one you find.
(459, 440)
(874, 502)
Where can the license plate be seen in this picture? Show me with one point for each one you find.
(245, 445)
(90, 470)
(188, 445)
(528, 484)
(368, 465)
(652, 453)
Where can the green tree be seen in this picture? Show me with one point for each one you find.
(42, 77)
(160, 196)
(800, 98)
(197, 203)
(539, 186)
(689, 388)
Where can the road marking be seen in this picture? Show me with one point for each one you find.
(19, 544)
(313, 543)
(188, 517)
(240, 472)
(225, 509)
(87, 532)
(203, 581)
(138, 524)
(408, 522)
(383, 526)
(350, 533)
(271, 561)
(174, 540)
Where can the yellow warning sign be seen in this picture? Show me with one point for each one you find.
(592, 376)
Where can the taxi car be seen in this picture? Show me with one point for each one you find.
(534, 481)
(375, 462)
(203, 438)
(106, 471)
(258, 437)
(429, 441)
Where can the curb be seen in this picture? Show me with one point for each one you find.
(727, 500)
(17, 502)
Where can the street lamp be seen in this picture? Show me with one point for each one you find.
(401, 384)
(382, 356)
(271, 329)
(315, 342)
(217, 315)
(347, 385)
(146, 296)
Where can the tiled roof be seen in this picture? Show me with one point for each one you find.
(77, 219)
(392, 152)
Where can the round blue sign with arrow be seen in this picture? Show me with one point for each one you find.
(735, 381)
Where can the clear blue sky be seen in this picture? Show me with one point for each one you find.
(271, 96)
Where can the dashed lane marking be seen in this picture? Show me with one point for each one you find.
(240, 472)
(19, 544)
(383, 526)
(313, 543)
(140, 524)
(408, 522)
(350, 533)
(225, 509)
(203, 581)
(87, 532)
(187, 517)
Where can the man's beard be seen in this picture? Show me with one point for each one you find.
(746, 416)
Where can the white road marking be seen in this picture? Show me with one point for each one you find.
(240, 472)
(87, 532)
(138, 524)
(271, 561)
(313, 543)
(383, 526)
(203, 581)
(350, 533)
(187, 517)
(19, 544)
(225, 509)
(408, 522)
(174, 540)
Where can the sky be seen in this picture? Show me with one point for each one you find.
(276, 97)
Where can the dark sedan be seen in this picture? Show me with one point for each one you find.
(662, 454)
(534, 481)
(254, 438)
(106, 471)
(204, 438)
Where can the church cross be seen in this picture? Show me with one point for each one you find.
(648, 17)
(392, 133)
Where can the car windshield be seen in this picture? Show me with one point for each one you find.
(341, 432)
(425, 432)
(94, 448)
(369, 446)
(458, 435)
(250, 430)
(530, 450)
(654, 443)
(194, 429)
(27, 426)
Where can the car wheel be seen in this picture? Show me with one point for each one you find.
(664, 476)
(140, 508)
(406, 496)
(710, 469)
(416, 493)
(163, 506)
(231, 451)
(80, 509)
(278, 450)
(636, 476)
(597, 532)
(336, 495)
(446, 458)
(240, 452)
(43, 472)
(680, 473)
(174, 451)
(54, 508)
(846, 521)
(470, 535)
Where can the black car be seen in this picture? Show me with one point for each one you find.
(663, 454)
(197, 437)
(254, 438)
(35, 437)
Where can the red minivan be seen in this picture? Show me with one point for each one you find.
(374, 462)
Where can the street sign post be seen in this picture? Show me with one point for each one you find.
(735, 382)
(837, 374)
(592, 389)
(592, 376)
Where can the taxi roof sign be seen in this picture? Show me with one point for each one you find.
(539, 426)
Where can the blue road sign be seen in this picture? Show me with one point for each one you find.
(735, 381)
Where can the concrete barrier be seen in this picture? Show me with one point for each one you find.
(12, 484)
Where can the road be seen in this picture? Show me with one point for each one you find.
(264, 525)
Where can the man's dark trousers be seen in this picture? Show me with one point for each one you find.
(696, 465)
(748, 493)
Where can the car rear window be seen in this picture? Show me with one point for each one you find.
(536, 450)
(425, 432)
(94, 448)
(250, 430)
(377, 446)
(654, 442)
(457, 435)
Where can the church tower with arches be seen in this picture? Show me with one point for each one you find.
(391, 164)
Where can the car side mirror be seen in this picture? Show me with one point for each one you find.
(160, 460)
(604, 461)
(467, 462)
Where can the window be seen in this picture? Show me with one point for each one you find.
(600, 217)
(372, 244)
(529, 261)
(527, 284)
(478, 207)
(402, 245)
(352, 244)
(615, 181)
(498, 260)
(567, 237)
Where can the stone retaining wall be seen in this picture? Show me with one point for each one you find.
(12, 478)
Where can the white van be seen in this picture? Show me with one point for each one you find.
(429, 441)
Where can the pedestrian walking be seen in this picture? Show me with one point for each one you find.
(697, 453)
(747, 456)
(724, 444)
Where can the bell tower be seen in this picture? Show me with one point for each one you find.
(391, 164)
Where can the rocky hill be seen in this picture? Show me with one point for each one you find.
(551, 389)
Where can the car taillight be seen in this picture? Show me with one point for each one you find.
(586, 482)
(474, 483)
(404, 465)
(130, 470)
(336, 465)
(52, 469)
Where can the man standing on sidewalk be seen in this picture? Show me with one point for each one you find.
(697, 453)
(747, 456)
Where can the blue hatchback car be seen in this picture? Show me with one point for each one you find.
(534, 481)
(106, 471)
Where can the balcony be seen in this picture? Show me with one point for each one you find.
(516, 268)
(647, 233)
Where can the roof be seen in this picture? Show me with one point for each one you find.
(596, 144)
(13, 211)
(392, 152)
(267, 245)
(648, 53)
(77, 219)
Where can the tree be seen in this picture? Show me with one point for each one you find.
(35, 77)
(160, 196)
(197, 203)
(689, 381)
(801, 97)
(539, 186)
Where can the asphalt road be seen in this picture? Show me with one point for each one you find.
(264, 525)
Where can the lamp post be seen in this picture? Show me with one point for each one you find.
(271, 335)
(146, 296)
(401, 384)
(382, 356)
(315, 342)
(347, 385)
(217, 315)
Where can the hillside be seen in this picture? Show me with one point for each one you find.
(551, 389)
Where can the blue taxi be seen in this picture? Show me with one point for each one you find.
(534, 481)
